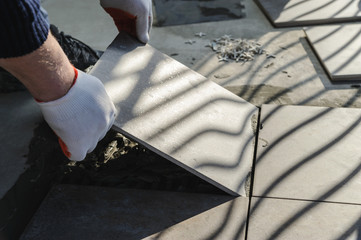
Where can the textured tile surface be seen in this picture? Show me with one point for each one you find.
(299, 220)
(309, 153)
(175, 12)
(285, 13)
(83, 212)
(338, 48)
(179, 114)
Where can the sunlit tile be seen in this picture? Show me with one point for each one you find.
(338, 49)
(310, 153)
(179, 114)
(287, 13)
(299, 220)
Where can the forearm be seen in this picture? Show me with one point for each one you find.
(30, 53)
(45, 72)
(74, 104)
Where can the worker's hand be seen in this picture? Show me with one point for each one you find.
(132, 16)
(82, 117)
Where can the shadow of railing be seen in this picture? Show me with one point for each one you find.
(167, 87)
(337, 49)
(324, 197)
(214, 163)
(288, 13)
(350, 101)
(194, 82)
(355, 227)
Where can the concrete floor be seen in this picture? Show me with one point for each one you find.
(294, 77)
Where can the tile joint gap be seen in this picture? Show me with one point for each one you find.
(307, 200)
(253, 169)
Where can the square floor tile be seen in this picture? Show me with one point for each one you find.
(310, 153)
(179, 114)
(176, 12)
(84, 212)
(287, 13)
(338, 49)
(300, 220)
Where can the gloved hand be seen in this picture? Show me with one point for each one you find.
(132, 16)
(82, 117)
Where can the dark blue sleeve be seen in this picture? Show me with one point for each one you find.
(23, 27)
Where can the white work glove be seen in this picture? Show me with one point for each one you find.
(132, 16)
(82, 117)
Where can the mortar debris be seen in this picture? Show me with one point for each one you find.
(236, 49)
(200, 34)
(120, 162)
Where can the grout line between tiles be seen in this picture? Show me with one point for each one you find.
(324, 68)
(308, 200)
(253, 170)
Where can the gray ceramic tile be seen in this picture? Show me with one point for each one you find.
(84, 212)
(309, 153)
(179, 114)
(338, 48)
(84, 20)
(175, 12)
(299, 220)
(19, 115)
(286, 13)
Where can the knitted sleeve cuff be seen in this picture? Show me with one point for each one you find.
(23, 28)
